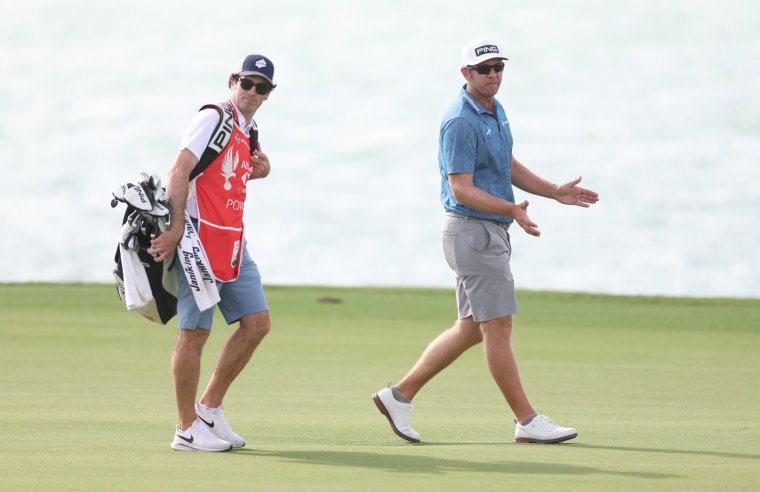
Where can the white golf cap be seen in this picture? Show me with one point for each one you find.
(479, 50)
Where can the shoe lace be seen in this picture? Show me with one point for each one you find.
(546, 422)
(408, 413)
(221, 421)
(203, 431)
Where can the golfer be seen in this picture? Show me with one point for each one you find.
(218, 156)
(478, 172)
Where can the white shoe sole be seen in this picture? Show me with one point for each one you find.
(384, 411)
(236, 445)
(181, 447)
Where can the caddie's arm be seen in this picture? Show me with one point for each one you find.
(177, 186)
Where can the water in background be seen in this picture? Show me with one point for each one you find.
(656, 104)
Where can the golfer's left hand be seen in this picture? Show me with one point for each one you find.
(572, 194)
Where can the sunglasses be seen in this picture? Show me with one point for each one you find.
(486, 69)
(261, 88)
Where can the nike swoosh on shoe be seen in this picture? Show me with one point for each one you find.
(190, 441)
(210, 424)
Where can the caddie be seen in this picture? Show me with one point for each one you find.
(207, 187)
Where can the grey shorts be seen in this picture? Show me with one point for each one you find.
(478, 251)
(239, 298)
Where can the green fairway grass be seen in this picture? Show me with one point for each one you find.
(665, 394)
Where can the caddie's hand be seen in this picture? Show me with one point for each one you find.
(260, 163)
(163, 247)
(522, 219)
(571, 194)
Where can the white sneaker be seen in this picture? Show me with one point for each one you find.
(399, 414)
(198, 437)
(542, 430)
(217, 424)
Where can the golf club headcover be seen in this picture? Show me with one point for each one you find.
(133, 195)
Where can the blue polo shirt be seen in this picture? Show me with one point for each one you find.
(475, 141)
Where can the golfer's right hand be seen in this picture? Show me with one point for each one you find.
(522, 219)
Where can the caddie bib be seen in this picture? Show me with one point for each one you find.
(220, 192)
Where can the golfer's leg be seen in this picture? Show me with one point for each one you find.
(497, 345)
(441, 352)
(186, 369)
(235, 355)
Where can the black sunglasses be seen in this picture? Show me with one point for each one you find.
(262, 88)
(486, 69)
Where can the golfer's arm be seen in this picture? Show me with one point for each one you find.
(528, 181)
(469, 195)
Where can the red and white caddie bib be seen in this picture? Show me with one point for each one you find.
(220, 192)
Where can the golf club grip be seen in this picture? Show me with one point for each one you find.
(254, 134)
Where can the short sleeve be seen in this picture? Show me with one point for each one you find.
(199, 130)
(459, 142)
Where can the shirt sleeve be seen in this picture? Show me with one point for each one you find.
(459, 142)
(198, 132)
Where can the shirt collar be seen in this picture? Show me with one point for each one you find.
(245, 126)
(475, 104)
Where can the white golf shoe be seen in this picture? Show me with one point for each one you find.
(217, 424)
(198, 437)
(542, 430)
(398, 414)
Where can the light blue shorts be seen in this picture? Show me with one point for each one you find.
(239, 298)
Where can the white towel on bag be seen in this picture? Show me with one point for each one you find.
(194, 262)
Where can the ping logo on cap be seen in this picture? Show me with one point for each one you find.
(261, 63)
(488, 48)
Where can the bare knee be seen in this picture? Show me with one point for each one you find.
(470, 330)
(191, 341)
(497, 328)
(256, 326)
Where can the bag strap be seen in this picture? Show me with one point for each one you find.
(220, 137)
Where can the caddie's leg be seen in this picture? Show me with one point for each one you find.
(441, 352)
(235, 355)
(497, 345)
(186, 369)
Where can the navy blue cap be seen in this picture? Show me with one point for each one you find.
(257, 65)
